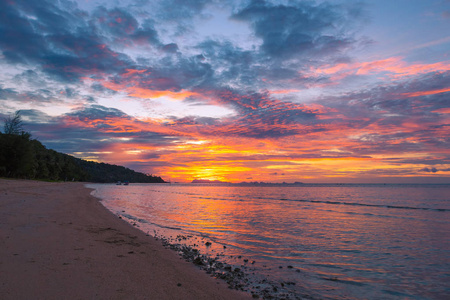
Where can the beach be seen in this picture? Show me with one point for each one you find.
(59, 242)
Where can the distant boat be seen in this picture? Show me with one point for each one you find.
(118, 182)
(126, 183)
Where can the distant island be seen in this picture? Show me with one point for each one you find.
(261, 183)
(24, 158)
(244, 183)
(209, 181)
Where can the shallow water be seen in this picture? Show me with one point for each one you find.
(325, 241)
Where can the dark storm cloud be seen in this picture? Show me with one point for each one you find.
(123, 27)
(59, 41)
(85, 54)
(234, 67)
(69, 44)
(169, 75)
(33, 117)
(25, 25)
(298, 28)
(95, 112)
(18, 39)
(428, 170)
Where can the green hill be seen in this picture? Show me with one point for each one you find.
(26, 158)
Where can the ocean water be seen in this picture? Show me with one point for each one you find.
(308, 241)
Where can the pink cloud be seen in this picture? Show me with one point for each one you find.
(425, 93)
(394, 67)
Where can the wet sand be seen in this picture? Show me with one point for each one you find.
(58, 242)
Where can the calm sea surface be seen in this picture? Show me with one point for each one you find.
(325, 241)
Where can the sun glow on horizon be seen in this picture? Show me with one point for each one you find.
(235, 91)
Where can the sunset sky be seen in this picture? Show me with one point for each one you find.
(254, 90)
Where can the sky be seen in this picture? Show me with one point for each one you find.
(241, 90)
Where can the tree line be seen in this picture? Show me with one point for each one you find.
(26, 158)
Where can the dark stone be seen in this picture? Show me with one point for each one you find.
(198, 261)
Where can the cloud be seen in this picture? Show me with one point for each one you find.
(93, 129)
(389, 69)
(433, 170)
(40, 96)
(30, 78)
(59, 41)
(258, 116)
(289, 98)
(121, 27)
(8, 93)
(300, 28)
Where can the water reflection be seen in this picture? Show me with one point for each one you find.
(347, 242)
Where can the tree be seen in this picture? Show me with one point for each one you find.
(23, 157)
(16, 153)
(13, 125)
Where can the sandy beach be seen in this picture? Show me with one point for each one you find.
(59, 242)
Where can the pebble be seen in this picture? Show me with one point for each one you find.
(235, 277)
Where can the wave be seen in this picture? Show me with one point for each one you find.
(365, 204)
(233, 198)
(136, 219)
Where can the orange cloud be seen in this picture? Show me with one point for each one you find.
(135, 86)
(226, 150)
(283, 91)
(425, 93)
(145, 93)
(445, 110)
(393, 65)
(131, 72)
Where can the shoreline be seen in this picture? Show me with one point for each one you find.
(58, 241)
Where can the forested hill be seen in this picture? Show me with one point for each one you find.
(26, 158)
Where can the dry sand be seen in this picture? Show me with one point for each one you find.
(58, 242)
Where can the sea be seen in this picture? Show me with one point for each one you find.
(307, 241)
